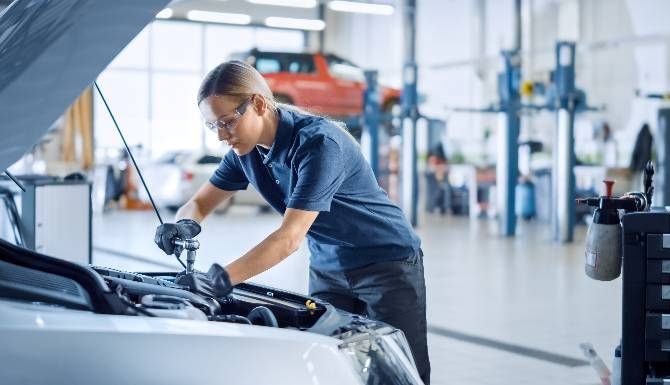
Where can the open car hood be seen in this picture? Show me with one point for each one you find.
(50, 50)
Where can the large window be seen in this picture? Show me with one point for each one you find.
(152, 84)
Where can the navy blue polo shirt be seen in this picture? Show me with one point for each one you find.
(315, 165)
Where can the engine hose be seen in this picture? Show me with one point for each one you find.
(233, 318)
(261, 315)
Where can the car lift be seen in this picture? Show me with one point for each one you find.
(373, 117)
(563, 98)
(410, 115)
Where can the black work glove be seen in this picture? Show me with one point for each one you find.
(220, 280)
(167, 232)
(215, 283)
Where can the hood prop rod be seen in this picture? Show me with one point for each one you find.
(16, 181)
(132, 158)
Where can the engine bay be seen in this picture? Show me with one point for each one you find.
(32, 277)
(158, 294)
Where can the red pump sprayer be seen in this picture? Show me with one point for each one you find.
(603, 249)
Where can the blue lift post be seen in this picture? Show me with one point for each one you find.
(507, 165)
(410, 115)
(371, 121)
(568, 100)
(508, 109)
(409, 172)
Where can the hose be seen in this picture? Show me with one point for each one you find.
(261, 315)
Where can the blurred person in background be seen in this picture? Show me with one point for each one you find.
(437, 180)
(608, 146)
(642, 153)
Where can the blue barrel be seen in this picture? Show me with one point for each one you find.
(525, 200)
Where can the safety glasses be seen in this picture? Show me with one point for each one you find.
(229, 123)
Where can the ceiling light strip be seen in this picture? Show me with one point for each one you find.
(218, 17)
(287, 3)
(358, 7)
(291, 23)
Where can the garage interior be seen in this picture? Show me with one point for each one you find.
(488, 122)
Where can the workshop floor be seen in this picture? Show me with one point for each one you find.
(500, 311)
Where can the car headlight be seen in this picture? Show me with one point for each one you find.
(381, 356)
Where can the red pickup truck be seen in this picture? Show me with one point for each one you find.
(322, 83)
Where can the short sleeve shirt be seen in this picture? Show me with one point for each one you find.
(316, 165)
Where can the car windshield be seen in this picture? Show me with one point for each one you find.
(209, 159)
(344, 69)
(169, 157)
(273, 62)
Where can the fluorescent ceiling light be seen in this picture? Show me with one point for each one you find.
(287, 22)
(218, 17)
(287, 3)
(165, 14)
(358, 7)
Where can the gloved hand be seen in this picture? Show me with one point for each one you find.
(167, 232)
(220, 280)
(215, 283)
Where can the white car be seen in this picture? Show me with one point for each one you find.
(64, 323)
(67, 323)
(177, 175)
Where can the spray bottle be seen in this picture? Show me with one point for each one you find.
(603, 249)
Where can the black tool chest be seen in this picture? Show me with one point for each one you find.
(645, 343)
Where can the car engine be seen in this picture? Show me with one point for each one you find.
(156, 294)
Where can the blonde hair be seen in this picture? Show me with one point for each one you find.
(238, 79)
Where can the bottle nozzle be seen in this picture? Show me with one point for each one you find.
(609, 186)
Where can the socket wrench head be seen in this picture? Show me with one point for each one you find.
(187, 244)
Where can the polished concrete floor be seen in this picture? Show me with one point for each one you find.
(500, 310)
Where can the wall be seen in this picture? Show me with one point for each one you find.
(622, 47)
(371, 41)
(162, 114)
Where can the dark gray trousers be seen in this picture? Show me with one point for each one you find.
(393, 292)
